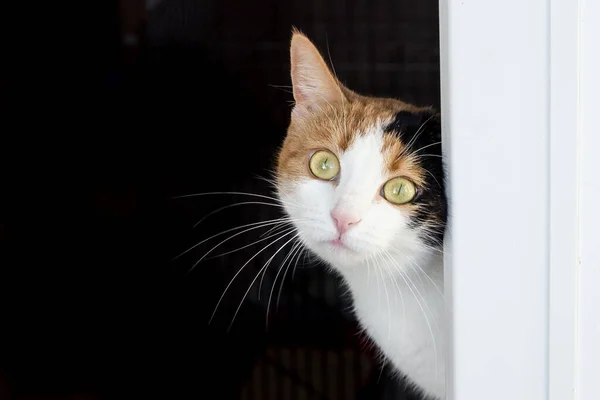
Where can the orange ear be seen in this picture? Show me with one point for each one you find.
(312, 81)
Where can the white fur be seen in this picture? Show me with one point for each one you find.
(396, 281)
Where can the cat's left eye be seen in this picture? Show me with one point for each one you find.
(399, 191)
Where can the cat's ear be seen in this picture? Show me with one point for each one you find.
(313, 83)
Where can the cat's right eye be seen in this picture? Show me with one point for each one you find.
(324, 165)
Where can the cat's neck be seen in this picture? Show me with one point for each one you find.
(424, 271)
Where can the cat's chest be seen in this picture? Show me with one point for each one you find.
(404, 315)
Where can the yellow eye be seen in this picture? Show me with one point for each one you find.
(399, 191)
(324, 165)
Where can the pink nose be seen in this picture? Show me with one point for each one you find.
(344, 220)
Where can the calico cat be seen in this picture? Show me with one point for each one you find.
(363, 179)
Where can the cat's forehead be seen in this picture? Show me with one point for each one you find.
(339, 130)
(341, 125)
(378, 147)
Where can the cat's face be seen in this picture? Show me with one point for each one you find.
(360, 177)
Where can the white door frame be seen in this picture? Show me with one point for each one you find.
(587, 356)
(520, 89)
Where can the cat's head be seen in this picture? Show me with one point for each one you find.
(361, 177)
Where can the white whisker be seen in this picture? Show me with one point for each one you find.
(418, 269)
(429, 155)
(424, 147)
(376, 270)
(404, 277)
(234, 205)
(433, 176)
(255, 278)
(399, 291)
(253, 243)
(297, 252)
(262, 196)
(281, 268)
(257, 225)
(228, 239)
(274, 229)
(300, 253)
(240, 270)
(413, 140)
(388, 301)
(409, 261)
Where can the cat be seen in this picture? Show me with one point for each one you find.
(363, 180)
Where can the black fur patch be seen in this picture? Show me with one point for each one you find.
(421, 132)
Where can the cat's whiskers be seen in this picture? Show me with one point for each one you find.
(236, 193)
(271, 181)
(241, 269)
(302, 254)
(296, 255)
(281, 268)
(376, 270)
(400, 252)
(433, 176)
(379, 270)
(408, 283)
(287, 229)
(399, 290)
(413, 140)
(256, 277)
(229, 238)
(429, 155)
(368, 269)
(274, 229)
(431, 233)
(311, 257)
(263, 275)
(424, 147)
(255, 225)
(418, 269)
(410, 261)
(282, 88)
(243, 203)
(274, 186)
(382, 270)
(434, 248)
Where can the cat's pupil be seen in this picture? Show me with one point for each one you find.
(325, 164)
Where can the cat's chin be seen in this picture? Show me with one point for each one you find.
(338, 253)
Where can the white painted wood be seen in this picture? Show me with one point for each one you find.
(588, 345)
(563, 198)
(495, 105)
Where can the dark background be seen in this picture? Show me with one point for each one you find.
(98, 136)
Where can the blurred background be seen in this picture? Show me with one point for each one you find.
(112, 108)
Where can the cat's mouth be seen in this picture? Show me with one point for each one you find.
(339, 244)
